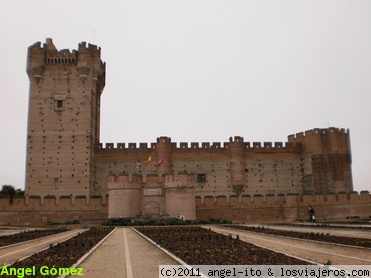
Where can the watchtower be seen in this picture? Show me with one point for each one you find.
(326, 160)
(63, 118)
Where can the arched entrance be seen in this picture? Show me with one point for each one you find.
(152, 209)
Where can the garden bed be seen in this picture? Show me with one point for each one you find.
(27, 235)
(352, 241)
(199, 246)
(64, 254)
(339, 225)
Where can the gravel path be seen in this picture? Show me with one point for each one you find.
(125, 254)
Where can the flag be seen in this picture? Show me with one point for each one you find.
(160, 162)
(149, 160)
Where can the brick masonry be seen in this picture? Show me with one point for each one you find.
(70, 174)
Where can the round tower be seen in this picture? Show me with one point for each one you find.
(163, 152)
(124, 196)
(237, 164)
(180, 198)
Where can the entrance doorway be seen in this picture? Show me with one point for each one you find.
(152, 209)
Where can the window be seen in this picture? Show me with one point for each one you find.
(201, 178)
(58, 103)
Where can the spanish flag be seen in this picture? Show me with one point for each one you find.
(149, 160)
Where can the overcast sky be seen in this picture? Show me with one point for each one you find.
(202, 71)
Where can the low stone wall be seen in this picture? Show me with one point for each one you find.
(41, 212)
(285, 207)
(38, 211)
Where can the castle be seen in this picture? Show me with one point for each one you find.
(70, 174)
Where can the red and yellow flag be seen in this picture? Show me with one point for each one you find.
(149, 160)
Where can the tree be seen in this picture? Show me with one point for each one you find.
(10, 191)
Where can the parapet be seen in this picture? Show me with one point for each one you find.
(48, 55)
(317, 131)
(184, 146)
(55, 56)
(183, 179)
(235, 139)
(186, 177)
(91, 48)
(151, 179)
(277, 146)
(124, 181)
(163, 139)
(122, 146)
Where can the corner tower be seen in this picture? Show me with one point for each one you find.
(326, 160)
(63, 118)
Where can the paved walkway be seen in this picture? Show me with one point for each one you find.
(125, 254)
(317, 252)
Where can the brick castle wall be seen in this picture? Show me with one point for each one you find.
(67, 168)
(245, 208)
(317, 161)
(36, 211)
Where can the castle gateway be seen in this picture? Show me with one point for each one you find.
(68, 166)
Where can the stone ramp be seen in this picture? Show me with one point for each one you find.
(323, 229)
(315, 252)
(125, 254)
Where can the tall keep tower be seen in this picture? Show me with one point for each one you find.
(63, 118)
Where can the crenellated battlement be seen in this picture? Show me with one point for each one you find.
(92, 48)
(185, 146)
(183, 179)
(236, 139)
(61, 57)
(316, 200)
(53, 56)
(202, 145)
(124, 146)
(316, 132)
(276, 146)
(261, 146)
(245, 208)
(140, 180)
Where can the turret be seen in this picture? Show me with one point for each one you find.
(124, 195)
(83, 62)
(35, 62)
(237, 157)
(326, 160)
(180, 195)
(163, 151)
